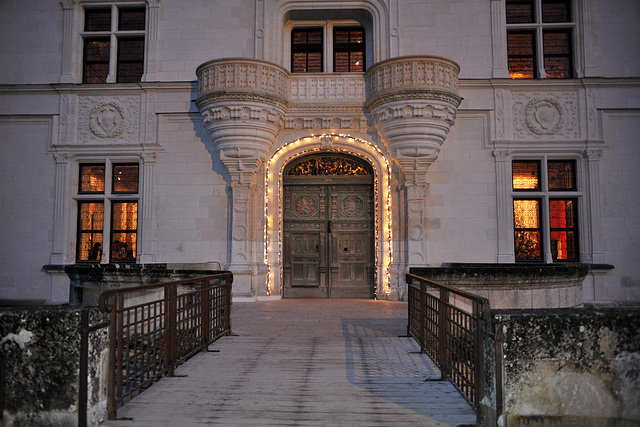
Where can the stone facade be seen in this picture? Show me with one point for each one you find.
(218, 115)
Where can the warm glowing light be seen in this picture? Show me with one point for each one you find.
(273, 237)
(525, 182)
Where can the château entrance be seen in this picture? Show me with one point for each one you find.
(328, 207)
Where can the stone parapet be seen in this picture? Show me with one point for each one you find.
(514, 285)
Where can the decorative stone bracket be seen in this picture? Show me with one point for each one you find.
(413, 101)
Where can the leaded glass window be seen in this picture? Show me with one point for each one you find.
(101, 188)
(547, 219)
(539, 38)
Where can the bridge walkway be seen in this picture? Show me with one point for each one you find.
(305, 363)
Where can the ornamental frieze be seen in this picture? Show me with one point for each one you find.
(323, 89)
(108, 118)
(545, 116)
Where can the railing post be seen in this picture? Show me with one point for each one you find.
(227, 303)
(112, 410)
(84, 360)
(443, 323)
(171, 313)
(205, 311)
(422, 333)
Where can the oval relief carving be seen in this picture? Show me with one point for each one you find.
(107, 120)
(544, 116)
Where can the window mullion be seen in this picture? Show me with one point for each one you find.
(540, 52)
(113, 48)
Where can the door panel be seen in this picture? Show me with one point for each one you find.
(328, 240)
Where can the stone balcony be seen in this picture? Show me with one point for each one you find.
(411, 101)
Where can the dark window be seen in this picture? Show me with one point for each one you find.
(348, 50)
(561, 175)
(101, 32)
(520, 12)
(131, 19)
(125, 178)
(557, 54)
(306, 50)
(96, 60)
(130, 59)
(556, 11)
(97, 20)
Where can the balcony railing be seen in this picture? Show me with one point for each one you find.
(449, 325)
(155, 328)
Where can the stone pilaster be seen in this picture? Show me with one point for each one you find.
(146, 240)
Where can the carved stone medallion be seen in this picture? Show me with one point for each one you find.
(544, 116)
(107, 120)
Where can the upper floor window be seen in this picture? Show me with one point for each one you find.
(113, 48)
(540, 38)
(346, 45)
(545, 210)
(108, 207)
(306, 50)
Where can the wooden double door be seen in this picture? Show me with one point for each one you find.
(328, 237)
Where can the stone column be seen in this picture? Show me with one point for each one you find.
(413, 103)
(243, 103)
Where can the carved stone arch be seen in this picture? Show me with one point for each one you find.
(331, 143)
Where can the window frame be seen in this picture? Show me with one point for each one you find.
(545, 195)
(328, 44)
(540, 28)
(108, 198)
(114, 35)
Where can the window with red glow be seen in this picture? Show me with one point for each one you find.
(535, 231)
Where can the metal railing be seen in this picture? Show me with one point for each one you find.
(155, 328)
(449, 325)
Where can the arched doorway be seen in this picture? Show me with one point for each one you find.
(328, 224)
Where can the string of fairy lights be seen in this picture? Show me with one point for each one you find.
(270, 212)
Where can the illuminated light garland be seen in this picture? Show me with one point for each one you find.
(268, 194)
